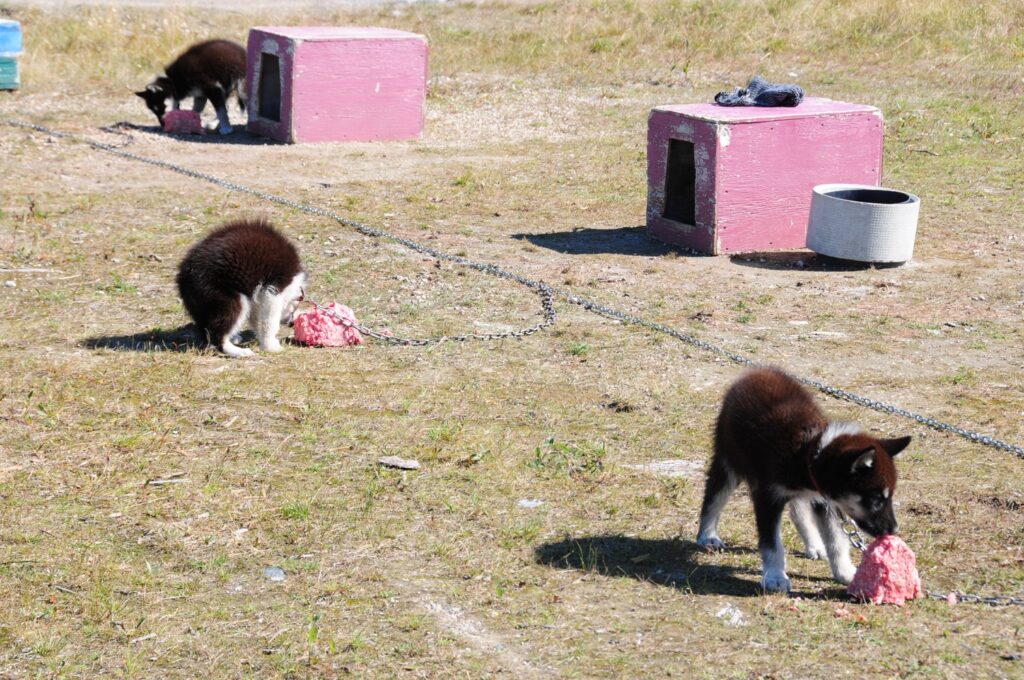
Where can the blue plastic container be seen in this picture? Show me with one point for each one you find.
(10, 38)
(10, 48)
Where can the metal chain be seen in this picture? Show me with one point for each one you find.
(883, 407)
(540, 287)
(851, 530)
(835, 392)
(547, 294)
(547, 300)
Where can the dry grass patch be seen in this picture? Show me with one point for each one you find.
(150, 497)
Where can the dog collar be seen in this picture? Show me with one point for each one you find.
(812, 455)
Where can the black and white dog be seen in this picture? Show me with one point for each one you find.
(771, 435)
(212, 70)
(245, 273)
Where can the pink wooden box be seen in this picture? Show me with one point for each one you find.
(329, 84)
(738, 179)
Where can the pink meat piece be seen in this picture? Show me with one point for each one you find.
(183, 123)
(887, 574)
(324, 328)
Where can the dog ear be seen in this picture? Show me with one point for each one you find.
(864, 462)
(142, 94)
(894, 446)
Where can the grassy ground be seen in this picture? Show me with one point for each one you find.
(144, 493)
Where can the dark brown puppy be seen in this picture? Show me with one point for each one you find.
(772, 435)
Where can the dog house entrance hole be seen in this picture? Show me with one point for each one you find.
(681, 183)
(270, 87)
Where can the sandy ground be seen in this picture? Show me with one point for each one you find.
(231, 5)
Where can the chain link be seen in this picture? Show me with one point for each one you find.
(547, 294)
(547, 300)
(851, 531)
(992, 601)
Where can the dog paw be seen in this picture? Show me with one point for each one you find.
(844, 574)
(775, 582)
(272, 347)
(711, 543)
(816, 552)
(239, 352)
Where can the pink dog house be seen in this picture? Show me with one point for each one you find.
(330, 84)
(738, 179)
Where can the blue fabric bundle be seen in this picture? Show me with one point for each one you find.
(759, 92)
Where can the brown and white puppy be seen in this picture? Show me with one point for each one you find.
(210, 70)
(243, 273)
(772, 435)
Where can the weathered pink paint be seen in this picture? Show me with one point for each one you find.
(345, 83)
(755, 168)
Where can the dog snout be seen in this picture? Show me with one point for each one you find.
(882, 526)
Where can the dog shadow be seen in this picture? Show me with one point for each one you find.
(239, 135)
(674, 563)
(594, 241)
(180, 339)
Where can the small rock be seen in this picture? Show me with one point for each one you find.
(400, 463)
(10, 283)
(672, 468)
(530, 503)
(274, 573)
(731, 615)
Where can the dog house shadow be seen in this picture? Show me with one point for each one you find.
(239, 136)
(672, 563)
(803, 261)
(595, 241)
(180, 339)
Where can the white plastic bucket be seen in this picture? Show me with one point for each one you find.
(863, 223)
